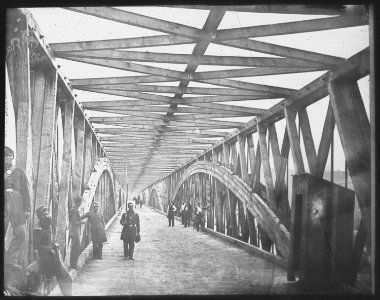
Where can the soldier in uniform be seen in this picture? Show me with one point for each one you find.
(131, 228)
(98, 233)
(17, 205)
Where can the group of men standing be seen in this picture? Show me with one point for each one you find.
(97, 229)
(17, 211)
(186, 213)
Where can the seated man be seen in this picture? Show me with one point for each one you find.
(49, 257)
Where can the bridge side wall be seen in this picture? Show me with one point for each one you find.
(55, 144)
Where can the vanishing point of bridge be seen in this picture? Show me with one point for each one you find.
(282, 219)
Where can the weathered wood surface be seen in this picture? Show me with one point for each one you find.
(18, 66)
(259, 209)
(65, 174)
(79, 125)
(354, 131)
(294, 139)
(48, 129)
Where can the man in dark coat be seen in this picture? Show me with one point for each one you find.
(98, 232)
(188, 213)
(131, 228)
(17, 205)
(171, 211)
(199, 218)
(74, 232)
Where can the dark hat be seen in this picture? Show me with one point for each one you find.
(8, 151)
(41, 210)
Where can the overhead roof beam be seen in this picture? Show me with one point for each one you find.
(237, 91)
(276, 8)
(120, 55)
(199, 76)
(145, 106)
(169, 27)
(292, 27)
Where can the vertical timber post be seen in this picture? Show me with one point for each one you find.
(79, 123)
(66, 173)
(354, 131)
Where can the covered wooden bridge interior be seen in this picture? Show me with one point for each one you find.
(197, 103)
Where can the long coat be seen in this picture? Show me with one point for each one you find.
(131, 225)
(17, 200)
(96, 226)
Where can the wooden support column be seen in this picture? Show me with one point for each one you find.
(244, 174)
(79, 123)
(234, 224)
(281, 192)
(324, 145)
(308, 139)
(280, 163)
(65, 175)
(250, 218)
(218, 199)
(266, 242)
(18, 67)
(257, 170)
(233, 198)
(261, 129)
(48, 130)
(234, 158)
(354, 131)
(38, 82)
(87, 159)
(99, 150)
(227, 200)
(106, 197)
(54, 189)
(197, 188)
(280, 173)
(290, 116)
(94, 149)
(243, 159)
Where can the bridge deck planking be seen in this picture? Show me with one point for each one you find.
(177, 261)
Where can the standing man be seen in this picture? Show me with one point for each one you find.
(188, 213)
(182, 212)
(74, 232)
(134, 201)
(140, 201)
(98, 232)
(17, 205)
(131, 228)
(171, 211)
(199, 215)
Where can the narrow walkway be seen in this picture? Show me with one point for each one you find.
(176, 261)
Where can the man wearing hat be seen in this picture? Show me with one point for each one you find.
(131, 229)
(17, 205)
(98, 232)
